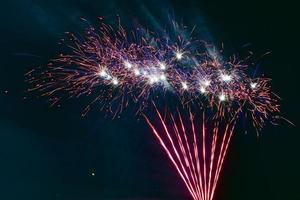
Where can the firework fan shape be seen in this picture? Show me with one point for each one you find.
(122, 68)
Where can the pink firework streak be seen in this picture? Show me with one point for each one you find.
(120, 69)
(196, 148)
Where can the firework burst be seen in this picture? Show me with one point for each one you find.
(121, 69)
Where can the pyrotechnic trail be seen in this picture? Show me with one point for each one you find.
(183, 142)
(119, 69)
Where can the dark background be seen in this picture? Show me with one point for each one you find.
(51, 153)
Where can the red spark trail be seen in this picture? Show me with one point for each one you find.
(182, 140)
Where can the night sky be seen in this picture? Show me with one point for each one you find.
(49, 153)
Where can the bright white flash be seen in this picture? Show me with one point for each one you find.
(206, 83)
(184, 85)
(162, 66)
(226, 77)
(115, 81)
(253, 85)
(137, 72)
(127, 64)
(179, 55)
(222, 97)
(202, 90)
(153, 79)
(203, 85)
(103, 73)
(162, 77)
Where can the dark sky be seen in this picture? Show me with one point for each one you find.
(51, 153)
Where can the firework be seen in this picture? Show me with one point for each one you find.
(119, 69)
